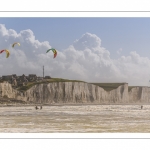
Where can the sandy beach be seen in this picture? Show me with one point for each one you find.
(75, 119)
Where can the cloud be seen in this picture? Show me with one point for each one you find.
(85, 59)
(87, 40)
(119, 51)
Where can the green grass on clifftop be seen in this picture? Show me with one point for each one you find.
(46, 81)
(108, 86)
(105, 86)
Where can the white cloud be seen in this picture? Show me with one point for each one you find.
(84, 60)
(119, 51)
(87, 40)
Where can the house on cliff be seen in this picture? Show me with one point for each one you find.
(23, 79)
(7, 77)
(16, 80)
(47, 77)
(32, 77)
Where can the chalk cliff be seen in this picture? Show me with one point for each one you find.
(139, 95)
(77, 92)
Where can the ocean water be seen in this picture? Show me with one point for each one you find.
(76, 119)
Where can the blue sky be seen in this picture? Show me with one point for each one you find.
(129, 34)
(89, 49)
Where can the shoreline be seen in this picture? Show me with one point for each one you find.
(11, 102)
(73, 104)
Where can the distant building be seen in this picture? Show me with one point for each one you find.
(23, 79)
(8, 77)
(32, 77)
(47, 77)
(14, 75)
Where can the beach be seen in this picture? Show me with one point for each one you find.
(75, 119)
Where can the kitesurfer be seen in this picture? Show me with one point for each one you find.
(36, 107)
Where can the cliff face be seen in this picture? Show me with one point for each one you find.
(6, 90)
(76, 92)
(140, 94)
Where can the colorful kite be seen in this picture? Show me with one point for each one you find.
(54, 51)
(15, 44)
(7, 52)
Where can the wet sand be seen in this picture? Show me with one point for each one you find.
(75, 119)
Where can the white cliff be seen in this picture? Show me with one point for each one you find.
(77, 92)
(139, 95)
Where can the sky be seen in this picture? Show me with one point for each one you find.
(97, 49)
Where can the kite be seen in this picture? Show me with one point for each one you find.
(2, 51)
(54, 51)
(7, 52)
(15, 44)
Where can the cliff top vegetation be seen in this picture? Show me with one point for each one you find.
(105, 86)
(108, 86)
(45, 81)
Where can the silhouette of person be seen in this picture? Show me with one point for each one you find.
(36, 107)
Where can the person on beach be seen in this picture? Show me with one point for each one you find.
(36, 107)
(141, 107)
